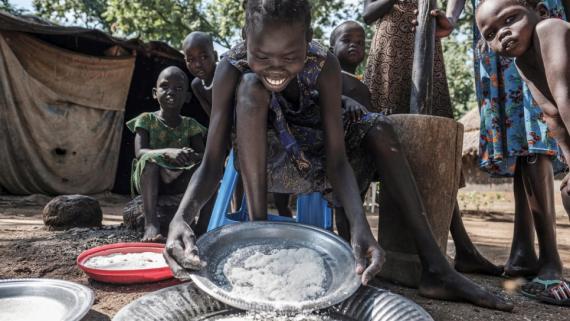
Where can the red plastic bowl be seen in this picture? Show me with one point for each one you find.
(124, 276)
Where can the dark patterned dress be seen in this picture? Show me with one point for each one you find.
(389, 69)
(296, 160)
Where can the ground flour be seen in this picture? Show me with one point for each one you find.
(291, 275)
(127, 261)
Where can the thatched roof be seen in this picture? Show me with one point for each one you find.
(471, 122)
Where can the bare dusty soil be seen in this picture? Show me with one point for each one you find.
(27, 250)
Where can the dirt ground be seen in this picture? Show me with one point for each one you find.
(27, 250)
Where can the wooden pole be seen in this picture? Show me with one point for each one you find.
(422, 70)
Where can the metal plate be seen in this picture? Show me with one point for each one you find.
(216, 246)
(184, 302)
(43, 299)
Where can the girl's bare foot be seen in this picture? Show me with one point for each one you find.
(452, 286)
(477, 264)
(521, 264)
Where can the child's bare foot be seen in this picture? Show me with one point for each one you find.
(453, 286)
(476, 263)
(152, 234)
(521, 265)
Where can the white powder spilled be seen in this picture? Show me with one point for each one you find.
(127, 261)
(292, 275)
(30, 308)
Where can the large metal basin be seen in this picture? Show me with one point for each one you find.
(184, 302)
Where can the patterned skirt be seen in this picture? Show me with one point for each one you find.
(389, 70)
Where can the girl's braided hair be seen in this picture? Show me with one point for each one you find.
(288, 11)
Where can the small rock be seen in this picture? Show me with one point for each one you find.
(111, 236)
(69, 211)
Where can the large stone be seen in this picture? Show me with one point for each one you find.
(432, 146)
(67, 211)
(133, 215)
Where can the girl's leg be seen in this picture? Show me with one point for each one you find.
(282, 204)
(251, 123)
(438, 279)
(538, 183)
(467, 257)
(522, 261)
(150, 180)
(342, 224)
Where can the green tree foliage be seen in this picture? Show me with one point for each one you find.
(171, 20)
(5, 5)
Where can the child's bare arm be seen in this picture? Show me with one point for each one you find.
(554, 42)
(197, 90)
(142, 146)
(376, 9)
(340, 173)
(181, 252)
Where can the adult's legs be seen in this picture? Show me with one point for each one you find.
(150, 179)
(522, 261)
(251, 123)
(438, 279)
(467, 258)
(538, 183)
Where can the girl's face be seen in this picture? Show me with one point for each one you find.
(276, 52)
(506, 26)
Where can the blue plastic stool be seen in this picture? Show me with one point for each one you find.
(312, 209)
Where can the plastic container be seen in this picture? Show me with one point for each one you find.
(124, 276)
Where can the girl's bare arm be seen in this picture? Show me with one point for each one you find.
(376, 9)
(205, 180)
(340, 173)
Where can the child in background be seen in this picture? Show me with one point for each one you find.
(520, 29)
(168, 147)
(288, 142)
(201, 60)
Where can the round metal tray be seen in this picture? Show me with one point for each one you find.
(185, 302)
(215, 247)
(43, 299)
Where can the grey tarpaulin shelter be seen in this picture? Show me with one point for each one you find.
(65, 93)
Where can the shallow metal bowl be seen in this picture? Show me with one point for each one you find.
(184, 302)
(43, 299)
(216, 246)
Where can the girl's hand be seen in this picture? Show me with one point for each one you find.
(181, 253)
(366, 249)
(443, 26)
(352, 110)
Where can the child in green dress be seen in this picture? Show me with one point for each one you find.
(168, 146)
